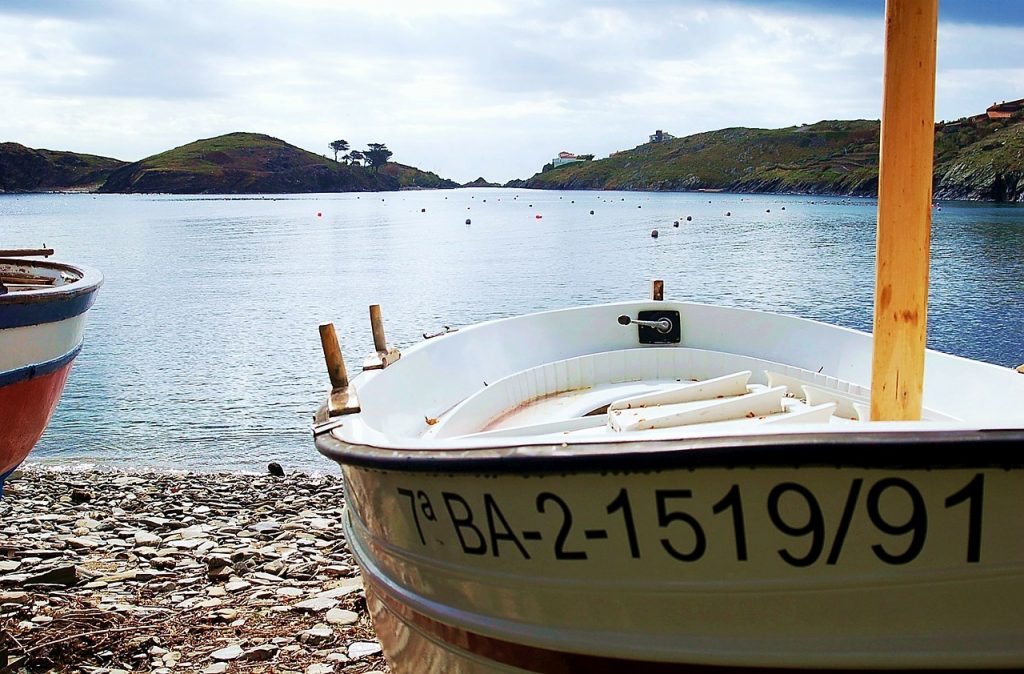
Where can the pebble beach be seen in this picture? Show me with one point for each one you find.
(110, 571)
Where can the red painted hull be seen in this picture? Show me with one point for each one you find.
(25, 409)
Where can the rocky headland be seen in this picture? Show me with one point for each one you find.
(976, 158)
(108, 572)
(234, 163)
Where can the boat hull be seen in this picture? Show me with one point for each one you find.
(688, 564)
(27, 407)
(41, 334)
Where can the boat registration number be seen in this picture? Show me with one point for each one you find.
(892, 516)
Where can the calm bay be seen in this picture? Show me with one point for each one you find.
(202, 351)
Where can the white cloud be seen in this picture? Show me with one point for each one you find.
(464, 88)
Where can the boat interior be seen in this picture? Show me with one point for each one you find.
(608, 374)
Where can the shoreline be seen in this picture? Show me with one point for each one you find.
(277, 196)
(115, 570)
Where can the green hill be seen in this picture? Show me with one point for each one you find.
(23, 169)
(245, 163)
(976, 158)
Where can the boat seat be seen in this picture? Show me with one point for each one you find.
(573, 394)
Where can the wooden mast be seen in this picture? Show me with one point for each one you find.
(904, 210)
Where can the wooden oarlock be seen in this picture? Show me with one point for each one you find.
(904, 210)
(342, 399)
(382, 355)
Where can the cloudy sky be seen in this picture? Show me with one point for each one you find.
(466, 87)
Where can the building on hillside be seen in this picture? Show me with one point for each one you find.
(565, 158)
(659, 136)
(1005, 110)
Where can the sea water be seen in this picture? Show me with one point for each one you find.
(202, 351)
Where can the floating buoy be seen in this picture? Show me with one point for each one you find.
(423, 210)
(783, 208)
(689, 218)
(728, 213)
(591, 212)
(639, 206)
(530, 206)
(485, 201)
(538, 216)
(654, 234)
(573, 201)
(767, 210)
(319, 214)
(468, 221)
(675, 224)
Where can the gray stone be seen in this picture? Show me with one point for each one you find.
(261, 653)
(317, 636)
(339, 616)
(146, 539)
(316, 604)
(362, 649)
(232, 652)
(320, 668)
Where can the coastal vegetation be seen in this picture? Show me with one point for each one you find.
(975, 158)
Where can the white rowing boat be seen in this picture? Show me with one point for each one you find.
(662, 486)
(554, 489)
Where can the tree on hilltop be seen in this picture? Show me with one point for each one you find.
(356, 157)
(338, 146)
(377, 154)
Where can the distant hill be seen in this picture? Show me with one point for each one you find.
(23, 169)
(248, 163)
(975, 158)
(480, 182)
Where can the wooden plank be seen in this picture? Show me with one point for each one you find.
(904, 210)
(26, 252)
(15, 278)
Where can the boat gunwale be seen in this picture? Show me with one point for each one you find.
(939, 449)
(88, 281)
